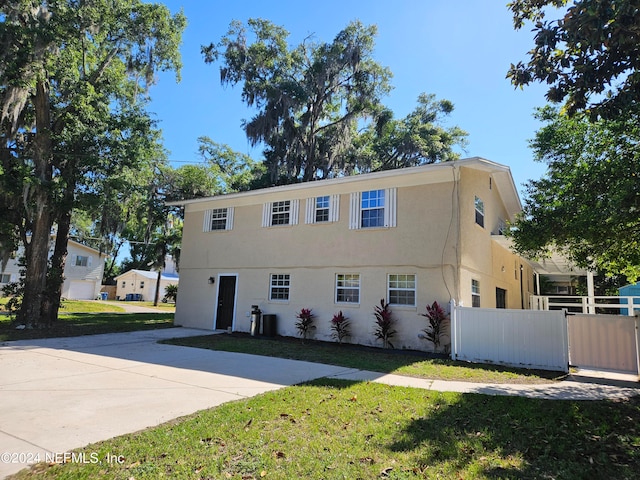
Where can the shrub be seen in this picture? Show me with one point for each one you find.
(305, 325)
(170, 293)
(340, 327)
(384, 324)
(437, 319)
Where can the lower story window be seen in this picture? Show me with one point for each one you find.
(5, 278)
(475, 293)
(402, 290)
(348, 288)
(280, 284)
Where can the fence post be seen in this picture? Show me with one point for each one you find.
(637, 322)
(454, 329)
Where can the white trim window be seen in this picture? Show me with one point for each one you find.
(279, 286)
(373, 209)
(5, 278)
(80, 261)
(475, 293)
(479, 208)
(218, 219)
(323, 209)
(284, 212)
(348, 288)
(402, 289)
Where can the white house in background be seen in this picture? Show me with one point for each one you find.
(141, 284)
(82, 272)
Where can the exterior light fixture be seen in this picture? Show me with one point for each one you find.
(212, 280)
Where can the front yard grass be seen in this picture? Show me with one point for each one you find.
(339, 429)
(79, 317)
(402, 362)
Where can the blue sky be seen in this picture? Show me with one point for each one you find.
(459, 50)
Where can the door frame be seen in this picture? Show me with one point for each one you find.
(235, 300)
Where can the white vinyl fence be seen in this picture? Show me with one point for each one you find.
(604, 342)
(517, 338)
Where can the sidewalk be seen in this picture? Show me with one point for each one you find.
(59, 394)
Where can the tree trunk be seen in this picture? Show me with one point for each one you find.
(39, 214)
(155, 301)
(55, 276)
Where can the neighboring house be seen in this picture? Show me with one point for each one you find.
(82, 272)
(141, 285)
(410, 236)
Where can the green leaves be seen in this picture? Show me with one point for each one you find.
(589, 56)
(588, 203)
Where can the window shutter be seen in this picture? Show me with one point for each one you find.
(89, 261)
(310, 210)
(266, 214)
(294, 211)
(206, 226)
(354, 211)
(230, 212)
(74, 260)
(334, 208)
(390, 207)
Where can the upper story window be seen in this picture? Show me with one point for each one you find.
(218, 219)
(373, 208)
(81, 261)
(5, 278)
(283, 212)
(280, 212)
(479, 204)
(324, 209)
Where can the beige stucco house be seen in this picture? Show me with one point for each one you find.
(410, 236)
(141, 284)
(83, 271)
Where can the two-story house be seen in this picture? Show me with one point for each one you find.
(409, 236)
(82, 272)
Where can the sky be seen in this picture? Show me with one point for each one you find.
(459, 50)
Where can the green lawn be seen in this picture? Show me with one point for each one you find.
(416, 364)
(331, 429)
(88, 318)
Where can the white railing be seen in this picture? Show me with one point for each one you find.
(598, 304)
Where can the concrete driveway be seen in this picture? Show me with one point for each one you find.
(64, 393)
(61, 394)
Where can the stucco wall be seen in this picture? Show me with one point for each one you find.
(424, 243)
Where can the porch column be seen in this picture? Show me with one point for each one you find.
(591, 293)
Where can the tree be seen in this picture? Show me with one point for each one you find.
(589, 56)
(588, 203)
(309, 98)
(418, 139)
(73, 78)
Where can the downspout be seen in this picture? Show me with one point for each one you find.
(458, 247)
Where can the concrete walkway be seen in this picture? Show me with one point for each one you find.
(63, 393)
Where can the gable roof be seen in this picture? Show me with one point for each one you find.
(411, 176)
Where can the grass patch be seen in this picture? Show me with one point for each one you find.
(340, 429)
(402, 362)
(78, 317)
(76, 324)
